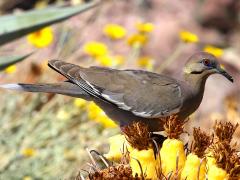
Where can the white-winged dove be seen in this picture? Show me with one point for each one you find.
(134, 95)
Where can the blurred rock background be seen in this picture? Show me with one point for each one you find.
(44, 136)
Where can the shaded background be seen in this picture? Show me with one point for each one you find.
(43, 136)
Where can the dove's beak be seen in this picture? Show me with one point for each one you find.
(221, 71)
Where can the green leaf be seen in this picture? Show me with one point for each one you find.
(15, 26)
(10, 60)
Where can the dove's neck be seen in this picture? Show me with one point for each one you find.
(196, 82)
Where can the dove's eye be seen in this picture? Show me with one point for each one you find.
(206, 62)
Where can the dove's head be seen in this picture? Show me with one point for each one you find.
(202, 65)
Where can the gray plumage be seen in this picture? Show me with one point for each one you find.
(134, 95)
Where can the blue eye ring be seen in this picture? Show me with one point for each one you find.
(206, 62)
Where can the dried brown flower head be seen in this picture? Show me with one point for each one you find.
(173, 127)
(201, 141)
(117, 172)
(225, 155)
(138, 135)
(226, 158)
(224, 131)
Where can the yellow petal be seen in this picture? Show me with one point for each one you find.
(170, 151)
(41, 38)
(106, 122)
(29, 152)
(147, 160)
(110, 61)
(218, 52)
(114, 31)
(146, 63)
(95, 49)
(145, 27)
(95, 113)
(188, 37)
(216, 173)
(118, 146)
(137, 40)
(191, 168)
(80, 103)
(11, 69)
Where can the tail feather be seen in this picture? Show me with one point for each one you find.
(65, 88)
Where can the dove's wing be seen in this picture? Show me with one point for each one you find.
(143, 93)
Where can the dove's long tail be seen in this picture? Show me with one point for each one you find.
(65, 88)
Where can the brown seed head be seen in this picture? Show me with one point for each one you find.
(201, 141)
(117, 172)
(138, 135)
(173, 127)
(224, 131)
(225, 155)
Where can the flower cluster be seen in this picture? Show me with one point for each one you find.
(99, 52)
(95, 113)
(141, 37)
(103, 56)
(209, 156)
(189, 37)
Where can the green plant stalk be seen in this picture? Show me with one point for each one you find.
(16, 26)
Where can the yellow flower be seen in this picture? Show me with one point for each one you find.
(147, 160)
(114, 31)
(144, 27)
(80, 103)
(188, 37)
(95, 49)
(95, 113)
(194, 168)
(214, 172)
(137, 40)
(218, 52)
(29, 152)
(172, 149)
(110, 61)
(146, 63)
(41, 38)
(11, 69)
(118, 145)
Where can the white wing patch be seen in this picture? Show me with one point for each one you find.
(119, 104)
(12, 87)
(143, 114)
(92, 86)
